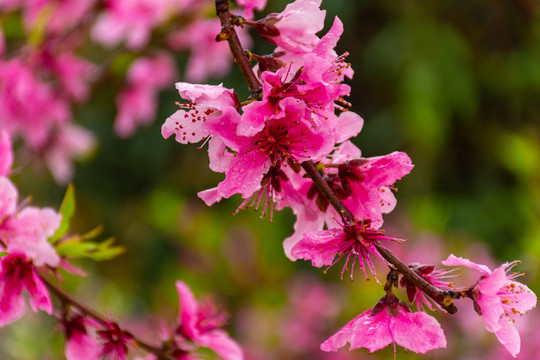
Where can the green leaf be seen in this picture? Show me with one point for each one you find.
(67, 209)
(92, 234)
(78, 247)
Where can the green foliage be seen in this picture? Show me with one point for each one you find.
(67, 209)
(81, 246)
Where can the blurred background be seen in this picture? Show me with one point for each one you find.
(456, 86)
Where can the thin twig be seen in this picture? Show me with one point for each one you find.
(68, 299)
(443, 298)
(229, 33)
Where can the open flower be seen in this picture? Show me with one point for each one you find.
(295, 27)
(80, 344)
(498, 298)
(389, 321)
(356, 242)
(16, 274)
(200, 322)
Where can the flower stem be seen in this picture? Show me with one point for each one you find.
(68, 299)
(228, 33)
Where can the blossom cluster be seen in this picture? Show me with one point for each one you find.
(32, 250)
(55, 70)
(269, 147)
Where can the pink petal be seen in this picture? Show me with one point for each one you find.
(349, 125)
(82, 347)
(39, 295)
(519, 297)
(340, 339)
(492, 310)
(319, 246)
(222, 345)
(509, 336)
(6, 154)
(188, 309)
(185, 130)
(418, 332)
(459, 261)
(210, 196)
(30, 231)
(372, 332)
(492, 283)
(11, 305)
(8, 198)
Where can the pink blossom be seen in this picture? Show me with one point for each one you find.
(6, 155)
(498, 298)
(62, 15)
(363, 185)
(208, 58)
(74, 73)
(209, 104)
(70, 142)
(249, 5)
(26, 230)
(389, 321)
(114, 342)
(16, 274)
(356, 241)
(19, 86)
(201, 322)
(295, 27)
(137, 104)
(80, 344)
(315, 79)
(287, 137)
(129, 20)
(212, 111)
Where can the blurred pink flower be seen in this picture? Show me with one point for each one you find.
(80, 344)
(201, 323)
(114, 342)
(129, 20)
(390, 321)
(208, 58)
(61, 15)
(6, 155)
(16, 274)
(249, 5)
(71, 142)
(19, 87)
(137, 104)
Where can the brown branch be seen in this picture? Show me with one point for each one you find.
(228, 33)
(443, 298)
(68, 299)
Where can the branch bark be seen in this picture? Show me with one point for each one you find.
(229, 33)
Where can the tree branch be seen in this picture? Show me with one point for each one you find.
(68, 299)
(229, 33)
(443, 298)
